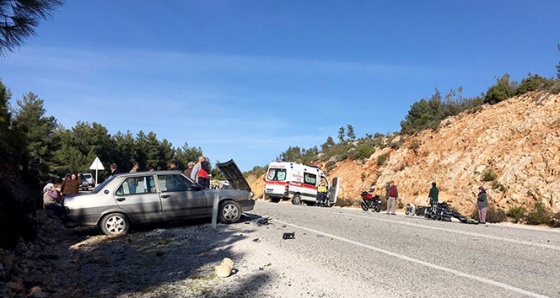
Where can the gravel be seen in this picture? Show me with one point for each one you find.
(171, 261)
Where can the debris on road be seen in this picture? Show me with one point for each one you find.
(291, 235)
(224, 269)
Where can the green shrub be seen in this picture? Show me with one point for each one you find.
(539, 215)
(489, 175)
(493, 215)
(344, 202)
(532, 83)
(381, 159)
(517, 214)
(474, 214)
(504, 89)
(555, 89)
(415, 144)
(555, 223)
(363, 152)
(396, 145)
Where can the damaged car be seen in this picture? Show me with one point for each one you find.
(129, 199)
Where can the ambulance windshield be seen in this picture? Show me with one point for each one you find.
(276, 174)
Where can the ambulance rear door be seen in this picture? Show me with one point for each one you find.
(333, 192)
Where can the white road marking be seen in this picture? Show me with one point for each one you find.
(423, 263)
(548, 246)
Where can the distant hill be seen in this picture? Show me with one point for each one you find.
(511, 148)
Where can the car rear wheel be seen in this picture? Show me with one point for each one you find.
(296, 200)
(115, 224)
(230, 212)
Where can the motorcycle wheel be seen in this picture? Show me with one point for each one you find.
(364, 206)
(377, 208)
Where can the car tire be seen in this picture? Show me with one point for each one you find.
(229, 212)
(114, 224)
(296, 200)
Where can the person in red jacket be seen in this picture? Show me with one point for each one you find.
(392, 196)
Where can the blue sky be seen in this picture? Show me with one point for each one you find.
(247, 79)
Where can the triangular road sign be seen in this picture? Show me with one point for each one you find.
(96, 165)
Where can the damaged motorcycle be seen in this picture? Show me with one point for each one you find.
(370, 202)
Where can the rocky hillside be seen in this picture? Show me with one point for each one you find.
(511, 148)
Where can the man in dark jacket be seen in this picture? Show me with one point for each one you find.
(433, 195)
(71, 184)
(482, 204)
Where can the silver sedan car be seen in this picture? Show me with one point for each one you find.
(156, 197)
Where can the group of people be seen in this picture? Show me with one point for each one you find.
(433, 197)
(481, 201)
(199, 171)
(52, 197)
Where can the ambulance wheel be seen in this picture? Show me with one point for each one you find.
(296, 200)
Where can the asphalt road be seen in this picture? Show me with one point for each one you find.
(417, 257)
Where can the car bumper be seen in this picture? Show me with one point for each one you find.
(247, 205)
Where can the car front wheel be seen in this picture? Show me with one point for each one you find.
(115, 224)
(230, 212)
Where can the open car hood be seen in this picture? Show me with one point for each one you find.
(233, 175)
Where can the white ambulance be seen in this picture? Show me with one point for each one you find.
(297, 182)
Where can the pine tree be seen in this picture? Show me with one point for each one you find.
(18, 19)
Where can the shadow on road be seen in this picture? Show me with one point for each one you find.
(153, 257)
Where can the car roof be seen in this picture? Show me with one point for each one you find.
(144, 173)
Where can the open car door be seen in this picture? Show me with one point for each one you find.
(234, 175)
(333, 192)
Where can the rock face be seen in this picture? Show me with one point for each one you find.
(511, 148)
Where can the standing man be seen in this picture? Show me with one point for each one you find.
(133, 182)
(174, 166)
(113, 168)
(393, 195)
(433, 195)
(189, 169)
(196, 168)
(71, 184)
(482, 204)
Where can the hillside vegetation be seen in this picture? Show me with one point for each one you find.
(509, 145)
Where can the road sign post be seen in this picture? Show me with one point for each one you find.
(96, 165)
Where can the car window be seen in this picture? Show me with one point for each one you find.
(136, 185)
(173, 182)
(310, 178)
